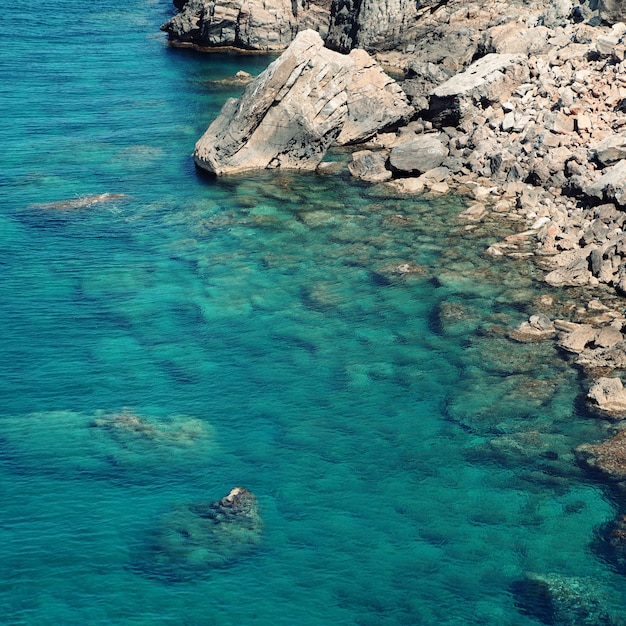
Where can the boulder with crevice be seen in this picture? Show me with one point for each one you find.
(306, 100)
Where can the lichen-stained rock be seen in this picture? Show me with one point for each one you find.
(248, 24)
(301, 104)
(488, 80)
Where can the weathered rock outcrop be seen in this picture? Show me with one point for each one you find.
(302, 103)
(248, 24)
(371, 24)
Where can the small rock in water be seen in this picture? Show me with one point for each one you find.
(195, 538)
(537, 328)
(394, 271)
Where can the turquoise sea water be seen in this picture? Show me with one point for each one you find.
(412, 464)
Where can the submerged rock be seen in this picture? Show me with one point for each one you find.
(78, 203)
(107, 445)
(302, 103)
(563, 600)
(195, 538)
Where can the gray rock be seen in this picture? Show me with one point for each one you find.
(576, 273)
(609, 397)
(611, 185)
(610, 150)
(424, 153)
(489, 79)
(603, 359)
(369, 166)
(249, 24)
(577, 340)
(538, 328)
(302, 103)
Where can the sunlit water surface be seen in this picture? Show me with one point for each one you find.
(411, 463)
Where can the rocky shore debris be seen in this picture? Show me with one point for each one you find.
(519, 100)
(195, 538)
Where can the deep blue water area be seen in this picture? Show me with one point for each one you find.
(182, 336)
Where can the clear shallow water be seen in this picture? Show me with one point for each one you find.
(410, 462)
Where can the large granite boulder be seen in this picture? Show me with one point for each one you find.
(195, 538)
(248, 24)
(302, 103)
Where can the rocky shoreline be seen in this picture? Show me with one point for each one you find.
(517, 106)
